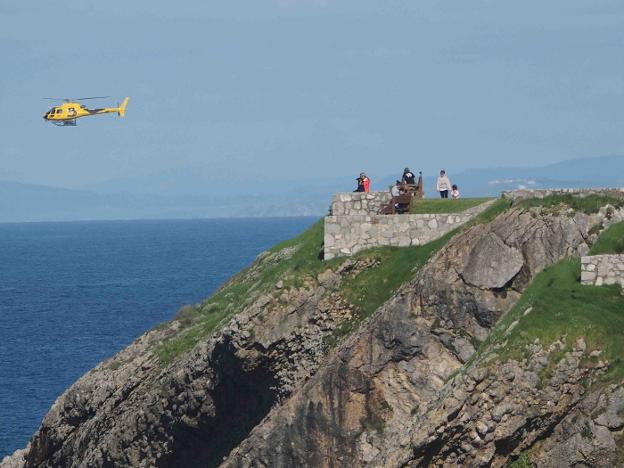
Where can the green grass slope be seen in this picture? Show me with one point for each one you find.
(611, 241)
(435, 206)
(560, 308)
(365, 291)
(589, 204)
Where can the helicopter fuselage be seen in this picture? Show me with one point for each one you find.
(68, 112)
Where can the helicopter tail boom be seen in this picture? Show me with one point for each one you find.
(121, 110)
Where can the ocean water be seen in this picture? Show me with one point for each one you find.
(73, 294)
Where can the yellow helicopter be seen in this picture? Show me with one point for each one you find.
(66, 114)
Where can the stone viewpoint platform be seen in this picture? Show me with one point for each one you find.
(355, 224)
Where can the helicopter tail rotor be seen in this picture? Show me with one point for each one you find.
(121, 110)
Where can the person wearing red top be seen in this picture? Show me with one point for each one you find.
(365, 182)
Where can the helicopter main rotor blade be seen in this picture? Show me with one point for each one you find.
(94, 97)
(74, 99)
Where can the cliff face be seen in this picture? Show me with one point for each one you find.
(385, 398)
(277, 384)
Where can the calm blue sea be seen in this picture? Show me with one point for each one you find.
(72, 294)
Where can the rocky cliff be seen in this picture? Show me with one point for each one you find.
(480, 349)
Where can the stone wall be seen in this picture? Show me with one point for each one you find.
(580, 192)
(602, 269)
(347, 235)
(358, 203)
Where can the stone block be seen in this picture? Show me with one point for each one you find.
(331, 228)
(587, 276)
(404, 241)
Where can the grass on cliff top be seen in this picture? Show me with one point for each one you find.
(611, 241)
(563, 309)
(499, 206)
(366, 291)
(589, 204)
(437, 206)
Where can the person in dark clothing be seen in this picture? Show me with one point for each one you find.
(360, 185)
(363, 183)
(408, 177)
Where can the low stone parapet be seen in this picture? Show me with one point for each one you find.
(523, 194)
(359, 203)
(347, 235)
(602, 269)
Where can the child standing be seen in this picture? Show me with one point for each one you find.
(454, 192)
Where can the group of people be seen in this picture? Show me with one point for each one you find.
(363, 183)
(408, 184)
(444, 186)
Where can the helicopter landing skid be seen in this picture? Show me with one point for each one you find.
(65, 123)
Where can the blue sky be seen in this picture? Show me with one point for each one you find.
(275, 90)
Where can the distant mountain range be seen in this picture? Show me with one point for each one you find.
(27, 202)
(185, 195)
(604, 171)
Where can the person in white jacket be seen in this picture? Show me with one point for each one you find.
(443, 184)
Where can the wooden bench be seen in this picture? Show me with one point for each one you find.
(400, 204)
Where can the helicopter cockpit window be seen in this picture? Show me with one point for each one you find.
(59, 111)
